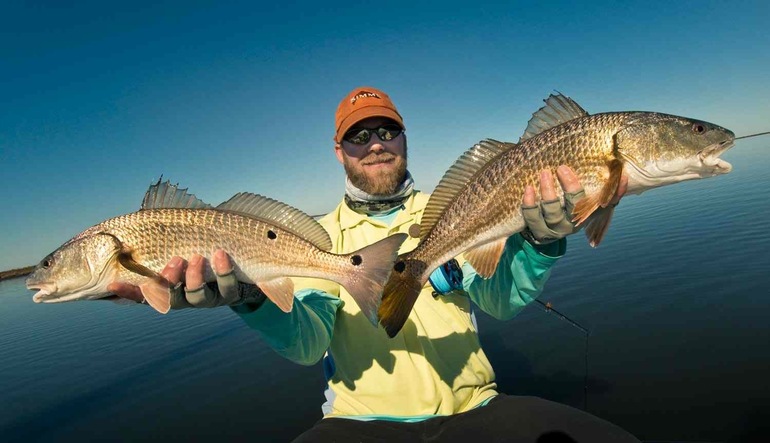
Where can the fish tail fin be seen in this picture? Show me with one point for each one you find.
(401, 292)
(372, 267)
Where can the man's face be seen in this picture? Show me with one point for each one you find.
(377, 167)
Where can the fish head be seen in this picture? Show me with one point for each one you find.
(80, 269)
(661, 149)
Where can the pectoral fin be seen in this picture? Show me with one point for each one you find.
(280, 291)
(585, 207)
(128, 262)
(486, 257)
(597, 206)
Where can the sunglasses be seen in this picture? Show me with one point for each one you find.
(361, 136)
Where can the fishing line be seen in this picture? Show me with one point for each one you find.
(550, 309)
(752, 135)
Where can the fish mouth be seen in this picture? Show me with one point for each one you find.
(709, 157)
(44, 291)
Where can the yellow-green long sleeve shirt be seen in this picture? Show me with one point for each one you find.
(435, 364)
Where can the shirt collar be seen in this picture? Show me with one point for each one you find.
(349, 218)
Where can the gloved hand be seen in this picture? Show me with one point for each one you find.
(189, 290)
(195, 293)
(548, 221)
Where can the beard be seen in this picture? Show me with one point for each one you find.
(384, 181)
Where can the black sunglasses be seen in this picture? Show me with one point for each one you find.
(361, 136)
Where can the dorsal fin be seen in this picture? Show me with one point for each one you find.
(280, 215)
(457, 177)
(558, 109)
(165, 195)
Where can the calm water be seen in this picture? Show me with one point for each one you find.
(676, 299)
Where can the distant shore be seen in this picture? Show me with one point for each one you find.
(13, 273)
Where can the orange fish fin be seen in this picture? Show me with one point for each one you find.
(485, 258)
(598, 224)
(400, 294)
(601, 216)
(280, 291)
(613, 181)
(586, 206)
(156, 294)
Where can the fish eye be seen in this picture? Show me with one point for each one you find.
(47, 263)
(698, 128)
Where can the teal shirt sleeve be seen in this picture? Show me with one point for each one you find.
(518, 280)
(302, 335)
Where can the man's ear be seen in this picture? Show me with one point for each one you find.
(339, 153)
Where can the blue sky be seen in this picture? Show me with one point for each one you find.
(99, 100)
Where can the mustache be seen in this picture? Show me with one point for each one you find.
(373, 159)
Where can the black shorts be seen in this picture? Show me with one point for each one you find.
(505, 419)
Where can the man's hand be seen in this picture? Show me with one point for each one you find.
(188, 288)
(548, 221)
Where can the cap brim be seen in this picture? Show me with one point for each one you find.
(364, 113)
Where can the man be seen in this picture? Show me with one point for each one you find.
(432, 381)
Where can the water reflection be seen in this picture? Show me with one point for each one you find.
(675, 299)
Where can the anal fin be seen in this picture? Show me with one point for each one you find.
(280, 291)
(486, 257)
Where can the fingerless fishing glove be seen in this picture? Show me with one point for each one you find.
(227, 291)
(549, 221)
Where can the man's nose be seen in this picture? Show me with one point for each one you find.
(376, 146)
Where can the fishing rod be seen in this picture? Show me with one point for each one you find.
(550, 309)
(752, 135)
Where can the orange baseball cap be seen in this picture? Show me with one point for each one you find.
(361, 103)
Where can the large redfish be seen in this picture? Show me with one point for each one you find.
(477, 204)
(267, 240)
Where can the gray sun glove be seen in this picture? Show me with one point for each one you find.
(227, 291)
(548, 221)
